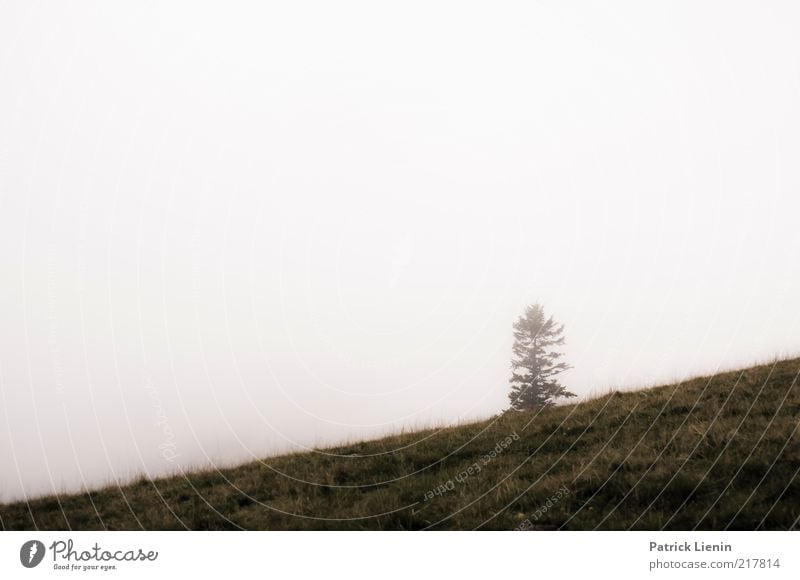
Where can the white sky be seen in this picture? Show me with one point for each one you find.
(232, 230)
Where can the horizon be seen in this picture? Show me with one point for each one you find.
(230, 233)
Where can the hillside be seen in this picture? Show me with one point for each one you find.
(718, 452)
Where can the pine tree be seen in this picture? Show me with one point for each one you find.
(536, 364)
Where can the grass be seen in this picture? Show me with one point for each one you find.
(710, 453)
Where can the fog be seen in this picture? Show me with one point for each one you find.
(236, 230)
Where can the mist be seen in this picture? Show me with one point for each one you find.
(239, 230)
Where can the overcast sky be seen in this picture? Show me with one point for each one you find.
(228, 231)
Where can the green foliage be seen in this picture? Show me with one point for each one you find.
(536, 362)
(711, 453)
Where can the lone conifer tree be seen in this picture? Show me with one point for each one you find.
(535, 363)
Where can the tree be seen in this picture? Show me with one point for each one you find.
(535, 363)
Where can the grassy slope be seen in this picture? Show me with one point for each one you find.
(710, 453)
